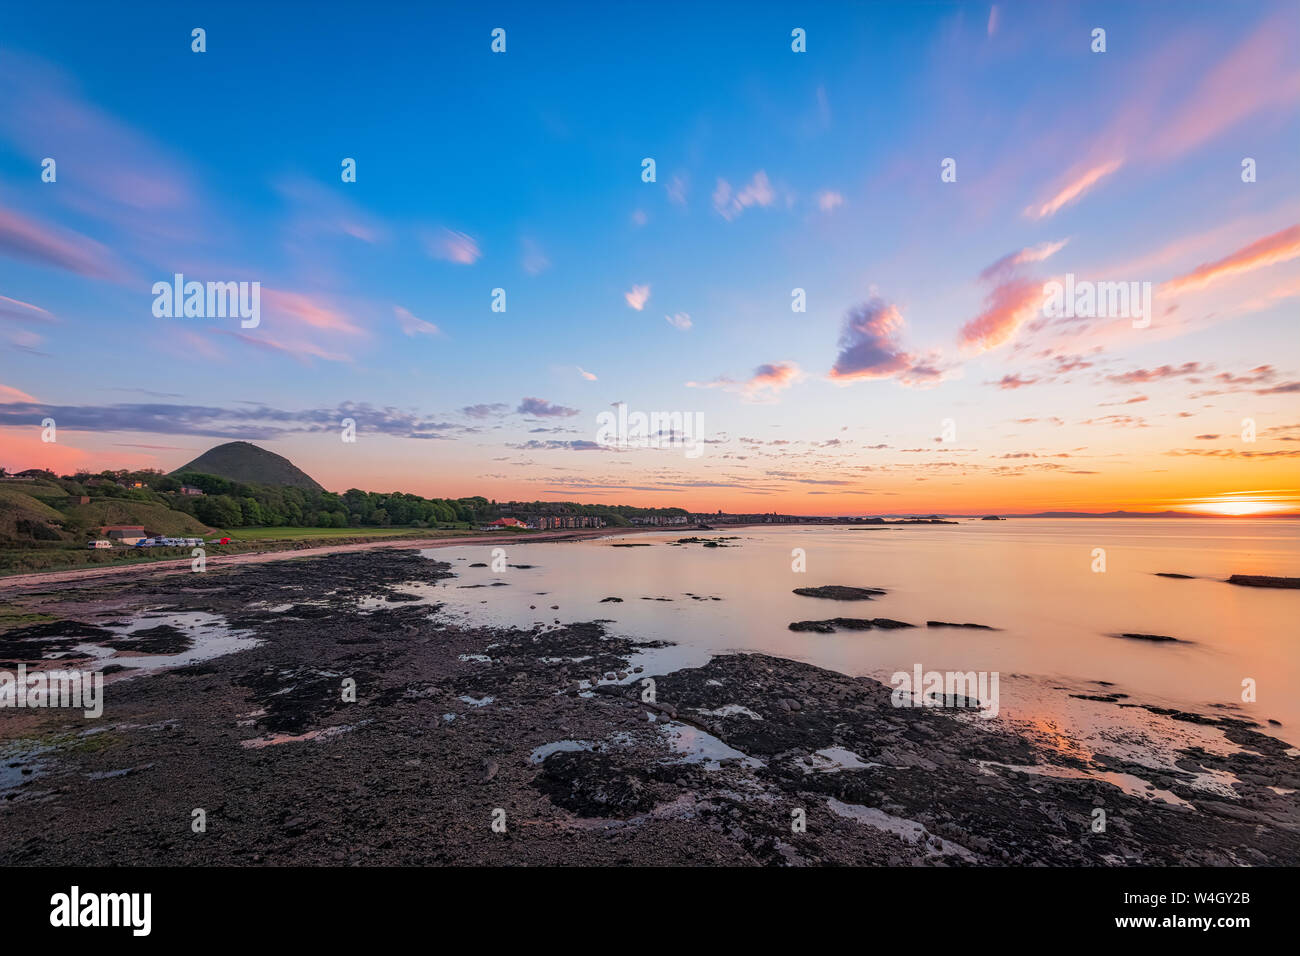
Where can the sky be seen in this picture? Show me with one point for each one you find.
(920, 171)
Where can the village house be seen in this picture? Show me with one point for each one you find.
(657, 521)
(546, 522)
(502, 523)
(191, 490)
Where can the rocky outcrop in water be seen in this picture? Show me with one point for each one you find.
(840, 592)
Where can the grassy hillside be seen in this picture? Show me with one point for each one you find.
(24, 518)
(12, 499)
(155, 517)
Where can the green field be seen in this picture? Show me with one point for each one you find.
(243, 541)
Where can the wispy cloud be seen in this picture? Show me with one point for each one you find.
(1011, 260)
(729, 205)
(829, 200)
(767, 381)
(308, 311)
(250, 421)
(412, 325)
(1141, 375)
(21, 238)
(679, 320)
(1281, 246)
(534, 261)
(23, 311)
(1074, 188)
(453, 246)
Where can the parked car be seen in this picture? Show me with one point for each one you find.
(100, 543)
(219, 541)
(146, 543)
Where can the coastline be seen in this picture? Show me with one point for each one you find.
(28, 581)
(454, 722)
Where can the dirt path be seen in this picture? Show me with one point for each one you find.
(44, 580)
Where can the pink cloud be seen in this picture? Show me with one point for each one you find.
(454, 247)
(638, 296)
(1009, 306)
(302, 351)
(1260, 73)
(22, 238)
(1011, 260)
(1078, 184)
(23, 311)
(309, 312)
(10, 394)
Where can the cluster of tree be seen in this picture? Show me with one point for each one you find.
(232, 504)
(614, 515)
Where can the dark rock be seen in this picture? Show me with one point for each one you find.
(840, 592)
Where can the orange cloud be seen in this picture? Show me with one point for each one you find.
(1010, 306)
(1279, 247)
(771, 378)
(768, 379)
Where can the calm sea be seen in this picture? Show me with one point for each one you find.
(1033, 579)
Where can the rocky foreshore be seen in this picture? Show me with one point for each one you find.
(559, 735)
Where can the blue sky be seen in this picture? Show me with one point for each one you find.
(775, 170)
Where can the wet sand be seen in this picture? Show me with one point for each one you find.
(454, 726)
